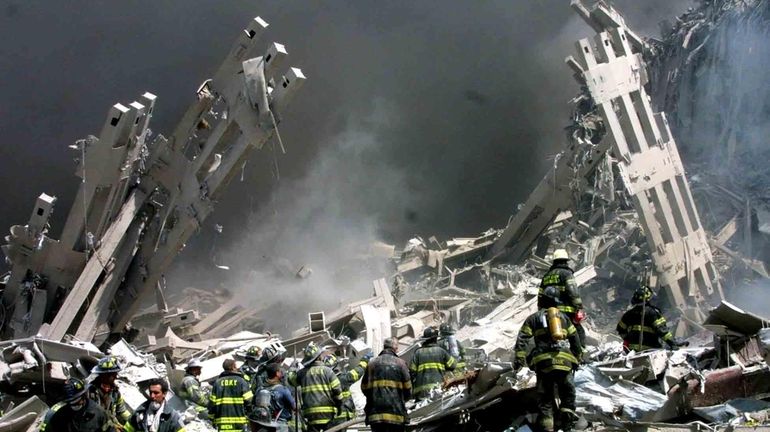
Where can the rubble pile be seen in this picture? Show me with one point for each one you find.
(199, 317)
(602, 235)
(656, 389)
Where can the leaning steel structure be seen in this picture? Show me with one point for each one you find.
(142, 197)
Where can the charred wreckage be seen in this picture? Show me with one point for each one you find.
(618, 199)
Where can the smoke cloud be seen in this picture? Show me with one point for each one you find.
(320, 222)
(753, 297)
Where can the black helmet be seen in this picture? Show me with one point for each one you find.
(271, 355)
(74, 389)
(429, 333)
(268, 354)
(261, 415)
(106, 365)
(253, 353)
(446, 329)
(642, 294)
(311, 353)
(550, 297)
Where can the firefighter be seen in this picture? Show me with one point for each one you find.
(449, 342)
(155, 415)
(269, 356)
(249, 367)
(347, 378)
(274, 404)
(428, 365)
(191, 390)
(561, 276)
(76, 413)
(387, 386)
(320, 388)
(643, 327)
(104, 391)
(554, 358)
(230, 399)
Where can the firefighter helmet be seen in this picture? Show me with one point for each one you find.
(74, 389)
(330, 360)
(271, 355)
(445, 329)
(253, 353)
(268, 354)
(194, 363)
(311, 353)
(560, 254)
(642, 294)
(429, 333)
(106, 365)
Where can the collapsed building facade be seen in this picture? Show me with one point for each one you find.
(618, 198)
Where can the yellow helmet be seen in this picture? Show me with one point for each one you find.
(330, 360)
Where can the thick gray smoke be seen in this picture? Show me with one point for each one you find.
(753, 297)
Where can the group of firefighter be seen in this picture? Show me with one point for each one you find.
(263, 394)
(551, 341)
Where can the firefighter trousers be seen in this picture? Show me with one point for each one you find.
(550, 385)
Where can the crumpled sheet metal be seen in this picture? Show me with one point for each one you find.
(444, 404)
(488, 376)
(725, 413)
(237, 341)
(497, 380)
(736, 319)
(630, 401)
(496, 333)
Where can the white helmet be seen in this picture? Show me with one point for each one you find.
(560, 254)
(194, 363)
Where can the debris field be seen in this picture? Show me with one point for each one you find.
(631, 198)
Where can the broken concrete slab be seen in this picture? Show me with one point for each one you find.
(23, 415)
(736, 319)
